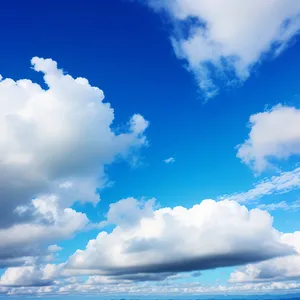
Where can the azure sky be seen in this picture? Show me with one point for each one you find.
(149, 147)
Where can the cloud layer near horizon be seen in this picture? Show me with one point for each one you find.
(158, 245)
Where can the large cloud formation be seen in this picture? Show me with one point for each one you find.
(209, 235)
(226, 41)
(187, 289)
(54, 144)
(274, 134)
(151, 249)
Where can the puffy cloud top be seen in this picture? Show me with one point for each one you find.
(54, 144)
(57, 140)
(273, 134)
(209, 235)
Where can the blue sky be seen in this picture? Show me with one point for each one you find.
(200, 103)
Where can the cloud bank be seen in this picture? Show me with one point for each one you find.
(151, 250)
(208, 235)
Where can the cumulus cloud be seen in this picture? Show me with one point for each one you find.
(274, 134)
(54, 248)
(209, 235)
(276, 269)
(280, 184)
(57, 139)
(157, 245)
(42, 275)
(54, 145)
(128, 212)
(225, 42)
(24, 276)
(52, 223)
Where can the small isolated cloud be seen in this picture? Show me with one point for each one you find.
(225, 42)
(169, 160)
(274, 134)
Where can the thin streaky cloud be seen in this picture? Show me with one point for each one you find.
(169, 160)
(283, 205)
(283, 183)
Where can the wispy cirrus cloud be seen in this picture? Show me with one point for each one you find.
(282, 205)
(169, 160)
(280, 184)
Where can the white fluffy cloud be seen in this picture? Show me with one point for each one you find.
(57, 140)
(128, 212)
(209, 235)
(24, 276)
(274, 134)
(148, 247)
(52, 223)
(225, 41)
(54, 145)
(276, 269)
